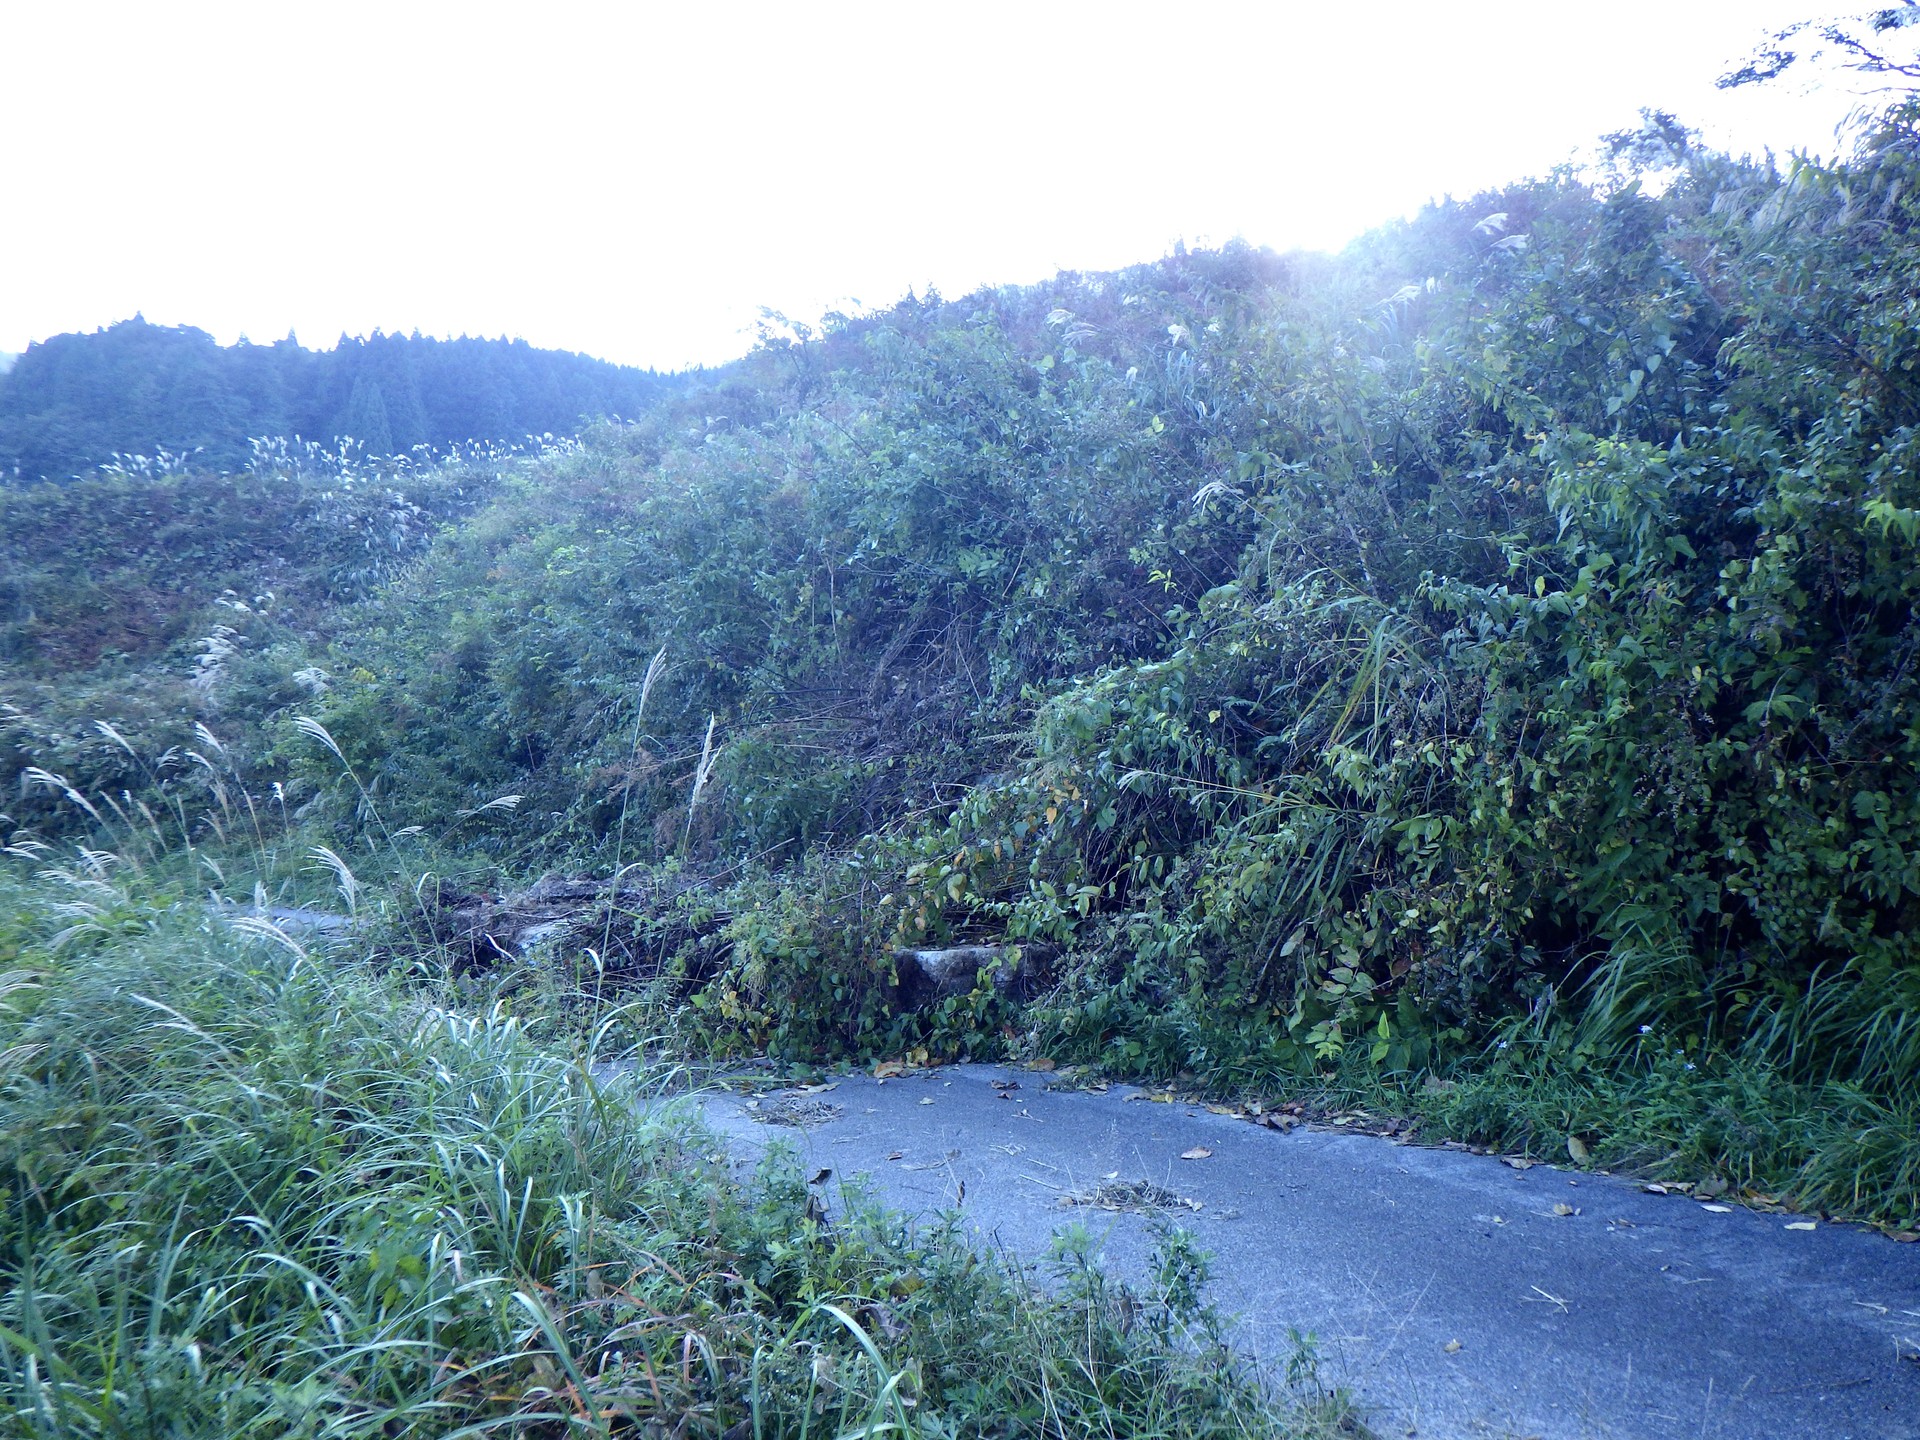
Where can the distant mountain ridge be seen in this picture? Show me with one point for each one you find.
(71, 402)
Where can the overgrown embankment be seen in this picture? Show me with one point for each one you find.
(1486, 655)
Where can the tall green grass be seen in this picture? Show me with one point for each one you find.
(247, 1191)
(1827, 1146)
(1661, 1107)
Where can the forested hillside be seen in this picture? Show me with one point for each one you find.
(1479, 667)
(75, 401)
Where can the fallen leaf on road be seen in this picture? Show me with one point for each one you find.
(818, 1089)
(1452, 1347)
(1719, 1209)
(1133, 1195)
(797, 1113)
(821, 1178)
(1564, 1209)
(1519, 1162)
(1040, 1064)
(1577, 1148)
(927, 1101)
(1804, 1225)
(887, 1069)
(1198, 1152)
(1654, 1189)
(896, 1154)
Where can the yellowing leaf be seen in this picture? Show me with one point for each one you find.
(1577, 1148)
(1801, 1224)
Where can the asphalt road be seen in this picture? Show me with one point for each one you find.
(1458, 1296)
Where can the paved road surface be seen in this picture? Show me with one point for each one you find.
(1583, 1307)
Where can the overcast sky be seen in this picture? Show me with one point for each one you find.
(635, 181)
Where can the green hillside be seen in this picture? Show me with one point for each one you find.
(1474, 673)
(147, 391)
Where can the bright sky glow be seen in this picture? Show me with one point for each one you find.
(636, 180)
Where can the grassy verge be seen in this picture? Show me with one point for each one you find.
(247, 1192)
(1725, 1121)
(1718, 1122)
